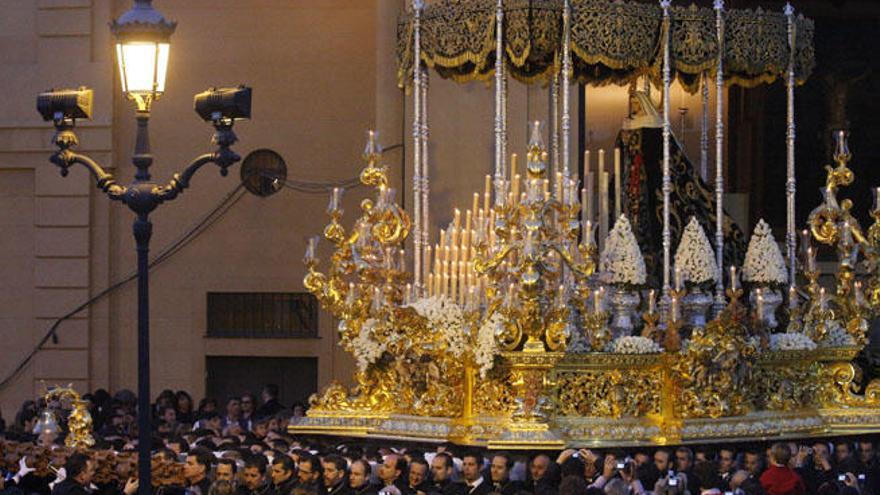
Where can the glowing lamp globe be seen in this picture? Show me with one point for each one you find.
(142, 49)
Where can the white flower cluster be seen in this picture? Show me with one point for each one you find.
(365, 347)
(622, 261)
(632, 345)
(791, 342)
(695, 256)
(445, 317)
(837, 336)
(764, 263)
(487, 347)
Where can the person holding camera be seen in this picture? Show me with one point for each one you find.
(780, 478)
(672, 484)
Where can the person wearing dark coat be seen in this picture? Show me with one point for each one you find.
(471, 471)
(441, 470)
(499, 475)
(270, 406)
(311, 475)
(80, 469)
(252, 478)
(283, 476)
(333, 467)
(359, 478)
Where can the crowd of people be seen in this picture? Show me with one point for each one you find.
(245, 449)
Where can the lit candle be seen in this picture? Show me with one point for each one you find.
(859, 295)
(407, 296)
(652, 301)
(792, 297)
(514, 189)
(811, 259)
(311, 249)
(335, 199)
(823, 302)
(589, 185)
(603, 205)
(401, 260)
(805, 240)
(733, 280)
(476, 204)
(759, 297)
(618, 206)
(513, 158)
(675, 314)
(597, 301)
(679, 278)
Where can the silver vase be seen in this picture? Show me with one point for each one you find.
(772, 300)
(625, 303)
(696, 305)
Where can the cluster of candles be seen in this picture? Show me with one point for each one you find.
(588, 192)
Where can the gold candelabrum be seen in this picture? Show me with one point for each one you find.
(79, 422)
(832, 224)
(534, 258)
(479, 352)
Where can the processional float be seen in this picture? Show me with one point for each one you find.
(514, 329)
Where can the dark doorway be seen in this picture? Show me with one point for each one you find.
(228, 376)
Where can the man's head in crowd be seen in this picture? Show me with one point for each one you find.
(212, 421)
(662, 459)
(282, 469)
(233, 407)
(225, 470)
(269, 392)
(471, 464)
(359, 473)
(726, 460)
(418, 471)
(252, 475)
(539, 466)
(198, 465)
(392, 469)
(500, 468)
(80, 468)
(780, 454)
(842, 450)
(334, 470)
(261, 428)
(442, 468)
(309, 469)
(866, 452)
(684, 459)
(752, 462)
(248, 405)
(168, 414)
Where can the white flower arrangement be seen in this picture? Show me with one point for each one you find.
(622, 261)
(446, 317)
(487, 346)
(632, 345)
(764, 264)
(791, 342)
(837, 336)
(694, 256)
(365, 347)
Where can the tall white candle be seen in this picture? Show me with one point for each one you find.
(652, 301)
(618, 206)
(603, 207)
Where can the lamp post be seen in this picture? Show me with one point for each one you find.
(142, 48)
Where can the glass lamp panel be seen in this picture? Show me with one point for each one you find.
(143, 66)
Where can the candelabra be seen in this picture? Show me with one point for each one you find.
(534, 257)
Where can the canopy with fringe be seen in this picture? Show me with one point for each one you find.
(612, 42)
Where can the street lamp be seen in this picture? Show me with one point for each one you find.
(142, 49)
